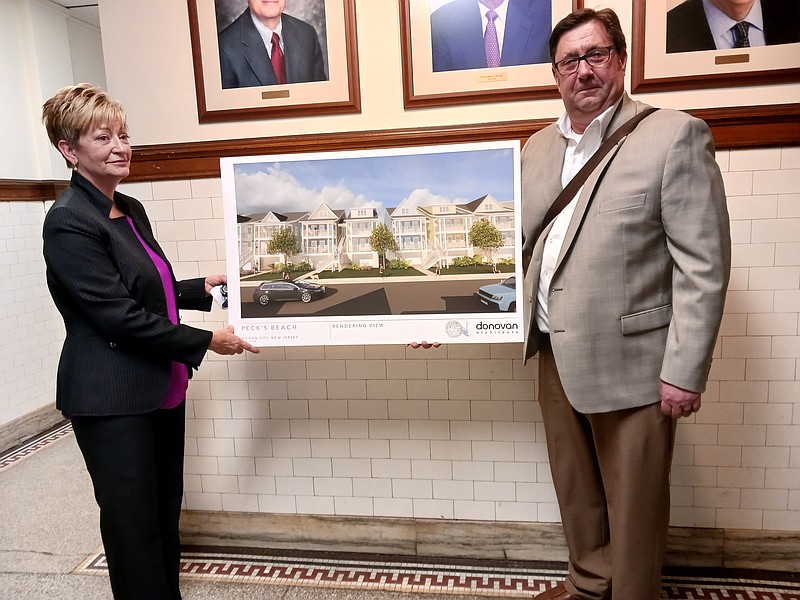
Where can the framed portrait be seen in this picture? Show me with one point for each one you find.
(674, 46)
(381, 246)
(446, 59)
(240, 76)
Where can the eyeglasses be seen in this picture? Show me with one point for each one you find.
(593, 58)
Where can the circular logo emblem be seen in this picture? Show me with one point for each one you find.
(453, 329)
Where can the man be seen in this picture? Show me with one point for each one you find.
(264, 46)
(520, 29)
(624, 295)
(724, 24)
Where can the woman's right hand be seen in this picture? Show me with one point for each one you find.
(223, 341)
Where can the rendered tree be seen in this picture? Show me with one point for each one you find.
(381, 240)
(284, 242)
(485, 236)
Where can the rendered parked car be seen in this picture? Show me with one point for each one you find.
(501, 296)
(285, 291)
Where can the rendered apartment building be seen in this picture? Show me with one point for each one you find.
(334, 239)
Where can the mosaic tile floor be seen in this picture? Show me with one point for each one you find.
(23, 451)
(403, 574)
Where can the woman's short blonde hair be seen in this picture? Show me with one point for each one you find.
(75, 109)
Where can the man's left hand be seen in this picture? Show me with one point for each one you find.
(677, 402)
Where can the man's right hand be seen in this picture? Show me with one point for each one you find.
(677, 402)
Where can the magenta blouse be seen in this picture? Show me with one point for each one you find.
(180, 374)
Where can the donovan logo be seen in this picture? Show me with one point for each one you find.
(454, 329)
(484, 327)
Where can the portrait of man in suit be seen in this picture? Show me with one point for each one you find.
(479, 34)
(696, 25)
(266, 46)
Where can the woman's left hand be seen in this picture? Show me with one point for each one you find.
(214, 281)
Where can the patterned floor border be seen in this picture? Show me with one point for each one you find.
(414, 575)
(23, 451)
(402, 575)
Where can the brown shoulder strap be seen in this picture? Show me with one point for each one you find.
(569, 191)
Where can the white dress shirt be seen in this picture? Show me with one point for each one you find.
(266, 33)
(580, 148)
(720, 25)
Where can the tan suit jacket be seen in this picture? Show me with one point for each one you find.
(639, 287)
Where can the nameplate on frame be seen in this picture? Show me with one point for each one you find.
(271, 95)
(492, 78)
(731, 59)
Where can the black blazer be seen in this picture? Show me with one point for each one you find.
(688, 31)
(119, 340)
(244, 61)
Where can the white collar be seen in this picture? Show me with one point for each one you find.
(266, 32)
(719, 23)
(500, 10)
(601, 121)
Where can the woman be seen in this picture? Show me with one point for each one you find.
(126, 360)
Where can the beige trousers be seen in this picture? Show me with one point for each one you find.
(611, 475)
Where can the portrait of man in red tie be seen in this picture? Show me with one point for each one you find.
(266, 46)
(695, 25)
(479, 34)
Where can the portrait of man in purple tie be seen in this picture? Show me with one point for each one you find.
(479, 34)
(266, 46)
(695, 25)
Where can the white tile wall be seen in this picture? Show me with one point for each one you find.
(453, 432)
(31, 330)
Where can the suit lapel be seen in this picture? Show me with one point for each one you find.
(255, 53)
(583, 202)
(696, 28)
(472, 45)
(627, 110)
(518, 28)
(142, 225)
(552, 162)
(294, 52)
(554, 166)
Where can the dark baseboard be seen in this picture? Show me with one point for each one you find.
(478, 540)
(28, 426)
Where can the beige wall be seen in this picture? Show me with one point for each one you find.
(157, 87)
(44, 48)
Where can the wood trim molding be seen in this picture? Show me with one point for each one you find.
(30, 190)
(753, 126)
(733, 128)
(739, 127)
(201, 159)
